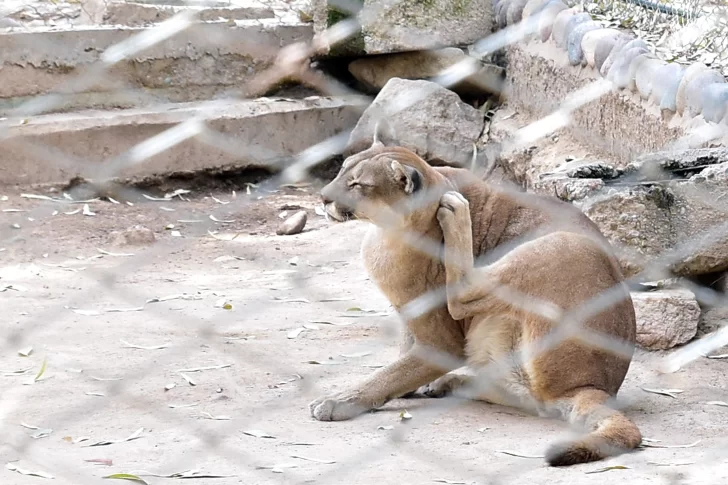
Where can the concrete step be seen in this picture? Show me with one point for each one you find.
(141, 13)
(54, 148)
(200, 62)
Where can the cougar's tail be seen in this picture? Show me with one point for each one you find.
(611, 432)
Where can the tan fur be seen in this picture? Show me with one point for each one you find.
(545, 254)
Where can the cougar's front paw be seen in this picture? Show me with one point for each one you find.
(337, 407)
(453, 208)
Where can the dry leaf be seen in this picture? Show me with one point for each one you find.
(143, 347)
(188, 379)
(450, 482)
(93, 393)
(135, 435)
(41, 433)
(356, 355)
(224, 304)
(258, 433)
(177, 406)
(405, 415)
(25, 352)
(107, 253)
(126, 476)
(664, 392)
(718, 403)
(169, 386)
(213, 218)
(519, 455)
(291, 300)
(325, 462)
(87, 211)
(104, 379)
(335, 324)
(653, 444)
(295, 332)
(88, 313)
(215, 418)
(41, 371)
(15, 468)
(719, 356)
(100, 461)
(606, 469)
(385, 428)
(209, 367)
(343, 298)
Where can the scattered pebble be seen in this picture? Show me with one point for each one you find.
(293, 225)
(135, 236)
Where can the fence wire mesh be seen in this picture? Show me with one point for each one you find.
(209, 319)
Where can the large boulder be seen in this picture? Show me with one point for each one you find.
(423, 117)
(665, 318)
(668, 205)
(407, 25)
(375, 71)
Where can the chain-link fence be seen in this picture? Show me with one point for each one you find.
(247, 322)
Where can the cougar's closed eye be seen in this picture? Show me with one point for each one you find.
(356, 183)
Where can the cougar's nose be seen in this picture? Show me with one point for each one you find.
(325, 198)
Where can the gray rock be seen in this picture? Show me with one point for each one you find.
(591, 41)
(571, 24)
(548, 16)
(691, 72)
(533, 6)
(558, 29)
(573, 41)
(694, 91)
(665, 84)
(515, 11)
(634, 67)
(437, 126)
(712, 320)
(647, 75)
(406, 26)
(501, 13)
(620, 71)
(376, 71)
(568, 189)
(684, 218)
(636, 221)
(665, 318)
(293, 225)
(134, 236)
(715, 102)
(610, 53)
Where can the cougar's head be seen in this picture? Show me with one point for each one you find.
(384, 185)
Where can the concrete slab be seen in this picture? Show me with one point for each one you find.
(39, 61)
(52, 149)
(138, 13)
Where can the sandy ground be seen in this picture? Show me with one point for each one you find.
(79, 309)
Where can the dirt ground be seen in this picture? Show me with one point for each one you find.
(236, 303)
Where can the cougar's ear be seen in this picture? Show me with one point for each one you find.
(383, 133)
(377, 142)
(409, 177)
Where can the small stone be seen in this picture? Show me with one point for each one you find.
(135, 236)
(712, 320)
(293, 225)
(374, 72)
(665, 318)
